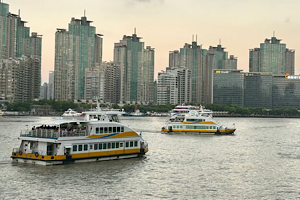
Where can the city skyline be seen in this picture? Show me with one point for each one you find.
(166, 25)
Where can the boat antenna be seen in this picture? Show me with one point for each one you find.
(98, 105)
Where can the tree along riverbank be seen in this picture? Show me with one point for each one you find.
(219, 110)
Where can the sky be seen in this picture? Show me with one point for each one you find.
(167, 25)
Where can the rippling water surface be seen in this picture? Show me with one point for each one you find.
(261, 161)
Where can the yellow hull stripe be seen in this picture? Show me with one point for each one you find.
(114, 135)
(199, 122)
(39, 157)
(194, 130)
(77, 155)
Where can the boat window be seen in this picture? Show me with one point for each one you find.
(91, 146)
(100, 146)
(131, 143)
(97, 130)
(122, 129)
(117, 145)
(210, 127)
(101, 129)
(80, 147)
(121, 144)
(214, 127)
(104, 145)
(114, 129)
(118, 129)
(105, 130)
(127, 144)
(74, 147)
(110, 129)
(113, 145)
(95, 146)
(135, 143)
(85, 147)
(108, 145)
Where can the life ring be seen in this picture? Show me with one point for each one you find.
(36, 154)
(20, 152)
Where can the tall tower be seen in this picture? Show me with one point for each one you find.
(272, 56)
(75, 50)
(24, 72)
(134, 61)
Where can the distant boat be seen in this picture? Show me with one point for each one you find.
(137, 113)
(71, 113)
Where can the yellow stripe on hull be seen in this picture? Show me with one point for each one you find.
(118, 135)
(202, 131)
(198, 123)
(77, 155)
(104, 153)
(39, 157)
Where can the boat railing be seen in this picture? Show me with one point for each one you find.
(51, 133)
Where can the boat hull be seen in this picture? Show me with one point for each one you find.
(202, 132)
(29, 160)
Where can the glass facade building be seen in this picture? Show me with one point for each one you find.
(286, 91)
(258, 90)
(228, 87)
(137, 69)
(75, 50)
(272, 56)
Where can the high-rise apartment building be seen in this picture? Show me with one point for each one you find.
(137, 69)
(174, 86)
(272, 56)
(75, 50)
(17, 44)
(112, 83)
(94, 84)
(50, 91)
(174, 58)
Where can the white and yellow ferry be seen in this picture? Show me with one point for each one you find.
(195, 121)
(98, 136)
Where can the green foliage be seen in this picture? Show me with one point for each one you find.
(61, 106)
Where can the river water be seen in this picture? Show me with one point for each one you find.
(260, 161)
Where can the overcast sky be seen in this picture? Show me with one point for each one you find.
(167, 24)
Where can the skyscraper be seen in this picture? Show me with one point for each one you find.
(137, 68)
(75, 50)
(272, 56)
(17, 44)
(50, 92)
